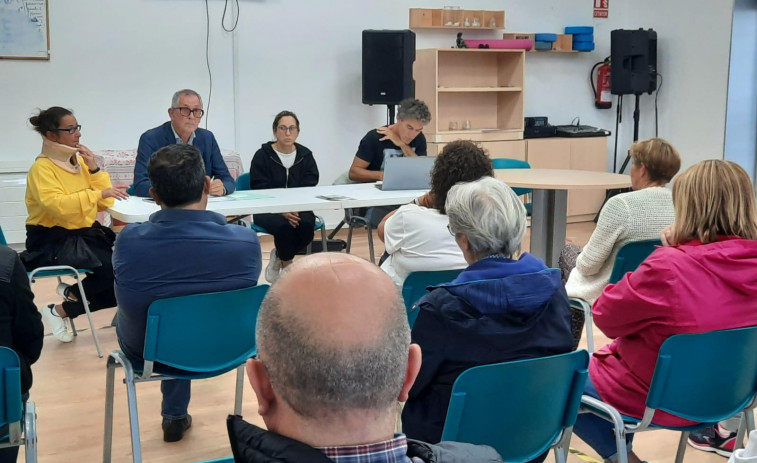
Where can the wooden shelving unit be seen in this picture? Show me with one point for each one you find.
(482, 86)
(439, 18)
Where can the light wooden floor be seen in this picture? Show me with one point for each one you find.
(69, 385)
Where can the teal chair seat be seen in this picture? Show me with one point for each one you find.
(22, 425)
(520, 408)
(682, 387)
(628, 259)
(187, 337)
(507, 163)
(243, 184)
(415, 287)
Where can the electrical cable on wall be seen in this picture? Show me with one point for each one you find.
(223, 16)
(207, 62)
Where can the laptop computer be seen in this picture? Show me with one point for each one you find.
(407, 173)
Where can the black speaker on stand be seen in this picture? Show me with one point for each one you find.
(633, 58)
(388, 57)
(633, 54)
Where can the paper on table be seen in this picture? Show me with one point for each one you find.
(219, 199)
(334, 197)
(247, 194)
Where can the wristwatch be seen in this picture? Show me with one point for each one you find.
(94, 171)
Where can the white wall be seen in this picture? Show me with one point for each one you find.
(741, 119)
(117, 67)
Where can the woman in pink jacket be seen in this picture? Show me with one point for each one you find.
(703, 279)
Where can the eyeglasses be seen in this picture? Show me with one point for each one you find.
(197, 112)
(450, 230)
(290, 129)
(70, 130)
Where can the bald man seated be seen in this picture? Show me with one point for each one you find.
(334, 361)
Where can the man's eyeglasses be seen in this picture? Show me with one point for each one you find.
(290, 129)
(197, 112)
(70, 130)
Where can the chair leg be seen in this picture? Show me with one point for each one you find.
(336, 230)
(109, 385)
(589, 322)
(240, 391)
(370, 242)
(89, 316)
(324, 239)
(131, 396)
(349, 237)
(741, 432)
(749, 417)
(682, 446)
(563, 445)
(30, 433)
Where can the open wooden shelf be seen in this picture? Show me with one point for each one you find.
(440, 18)
(479, 89)
(480, 86)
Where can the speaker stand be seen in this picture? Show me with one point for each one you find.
(391, 111)
(616, 191)
(636, 115)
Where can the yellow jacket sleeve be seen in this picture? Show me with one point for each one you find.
(70, 198)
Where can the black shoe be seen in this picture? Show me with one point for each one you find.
(173, 430)
(710, 440)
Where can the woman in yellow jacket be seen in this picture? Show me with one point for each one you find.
(64, 193)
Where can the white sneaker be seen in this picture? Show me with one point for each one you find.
(56, 323)
(63, 291)
(274, 267)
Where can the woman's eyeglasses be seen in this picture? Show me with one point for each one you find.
(70, 130)
(450, 230)
(290, 129)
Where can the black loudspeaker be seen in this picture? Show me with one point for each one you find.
(633, 54)
(388, 58)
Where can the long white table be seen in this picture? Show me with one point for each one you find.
(277, 200)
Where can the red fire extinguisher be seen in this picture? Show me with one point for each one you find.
(602, 95)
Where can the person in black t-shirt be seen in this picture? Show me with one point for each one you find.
(403, 138)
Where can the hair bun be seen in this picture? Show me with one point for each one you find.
(34, 120)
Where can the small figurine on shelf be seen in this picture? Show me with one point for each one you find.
(460, 42)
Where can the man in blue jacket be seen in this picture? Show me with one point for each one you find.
(183, 249)
(183, 129)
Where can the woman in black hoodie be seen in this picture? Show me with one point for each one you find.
(284, 164)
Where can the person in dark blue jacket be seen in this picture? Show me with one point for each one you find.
(183, 128)
(284, 164)
(498, 309)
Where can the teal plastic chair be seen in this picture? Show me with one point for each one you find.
(243, 184)
(725, 387)
(219, 460)
(130, 190)
(22, 425)
(630, 256)
(188, 337)
(628, 259)
(59, 271)
(415, 287)
(507, 163)
(520, 408)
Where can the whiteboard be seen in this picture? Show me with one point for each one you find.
(24, 29)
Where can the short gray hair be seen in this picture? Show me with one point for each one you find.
(320, 381)
(490, 215)
(184, 91)
(414, 109)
